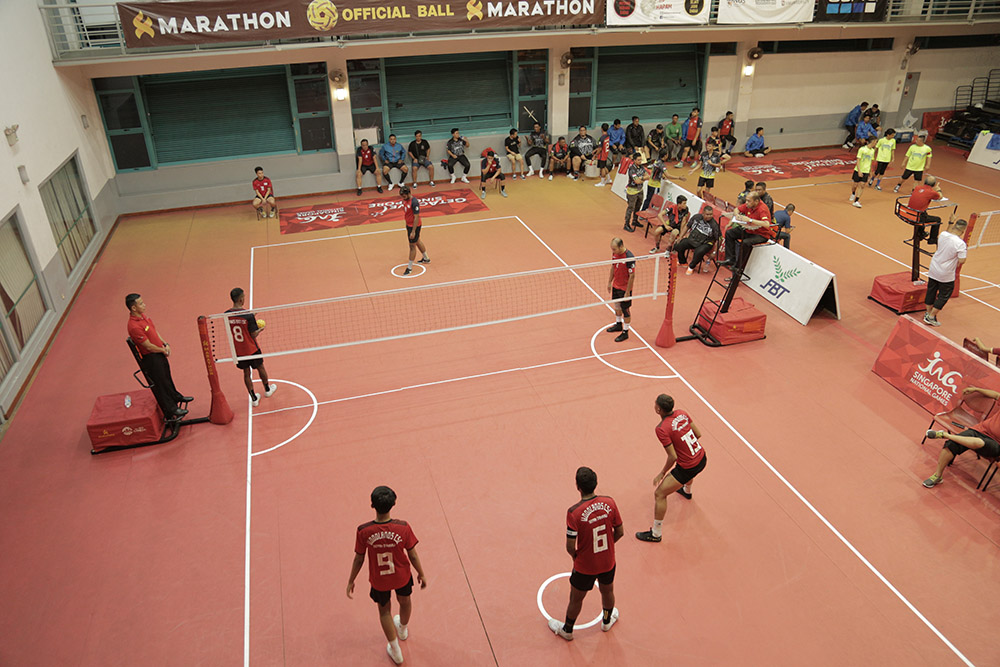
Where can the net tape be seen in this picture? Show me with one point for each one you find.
(987, 230)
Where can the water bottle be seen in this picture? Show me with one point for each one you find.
(128, 401)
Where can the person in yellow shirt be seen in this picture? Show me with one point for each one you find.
(884, 148)
(918, 160)
(862, 170)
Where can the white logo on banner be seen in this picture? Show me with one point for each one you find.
(936, 381)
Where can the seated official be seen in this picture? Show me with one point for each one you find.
(982, 438)
(783, 221)
(670, 221)
(701, 233)
(761, 189)
(748, 187)
(581, 150)
(755, 144)
(367, 162)
(559, 157)
(920, 200)
(393, 157)
(419, 149)
(263, 190)
(751, 225)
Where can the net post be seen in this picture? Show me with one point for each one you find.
(973, 218)
(656, 279)
(220, 412)
(665, 337)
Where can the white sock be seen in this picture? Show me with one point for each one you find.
(657, 528)
(409, 264)
(619, 319)
(402, 627)
(687, 489)
(425, 256)
(625, 326)
(394, 644)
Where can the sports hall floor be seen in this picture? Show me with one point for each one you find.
(810, 540)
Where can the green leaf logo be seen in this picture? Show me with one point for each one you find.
(783, 275)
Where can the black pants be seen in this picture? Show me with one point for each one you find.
(785, 238)
(851, 132)
(462, 160)
(935, 227)
(650, 193)
(938, 293)
(727, 139)
(157, 369)
(698, 254)
(536, 150)
(736, 236)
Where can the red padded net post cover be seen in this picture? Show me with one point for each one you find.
(220, 412)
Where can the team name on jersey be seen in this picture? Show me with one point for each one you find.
(384, 535)
(680, 422)
(602, 507)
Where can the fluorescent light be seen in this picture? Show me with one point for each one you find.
(748, 70)
(340, 93)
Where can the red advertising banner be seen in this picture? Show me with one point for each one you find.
(383, 209)
(929, 369)
(190, 22)
(934, 121)
(792, 167)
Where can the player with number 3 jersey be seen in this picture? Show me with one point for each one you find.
(593, 526)
(679, 436)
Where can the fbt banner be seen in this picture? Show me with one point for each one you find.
(756, 12)
(929, 369)
(657, 12)
(791, 282)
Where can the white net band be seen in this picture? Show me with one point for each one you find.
(427, 309)
(987, 230)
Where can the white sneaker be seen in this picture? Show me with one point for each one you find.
(270, 392)
(413, 185)
(396, 656)
(453, 177)
(550, 177)
(541, 172)
(614, 618)
(678, 165)
(503, 193)
(851, 198)
(401, 632)
(464, 179)
(599, 185)
(531, 172)
(255, 401)
(432, 184)
(271, 214)
(689, 271)
(557, 628)
(857, 203)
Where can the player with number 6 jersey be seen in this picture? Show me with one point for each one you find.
(593, 526)
(679, 436)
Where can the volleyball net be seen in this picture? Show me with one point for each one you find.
(437, 308)
(984, 229)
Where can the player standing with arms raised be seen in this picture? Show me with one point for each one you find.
(411, 213)
(593, 526)
(245, 328)
(391, 546)
(620, 285)
(679, 436)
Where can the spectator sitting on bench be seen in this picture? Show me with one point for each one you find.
(367, 162)
(559, 157)
(393, 157)
(982, 438)
(263, 199)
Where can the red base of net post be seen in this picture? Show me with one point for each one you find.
(665, 337)
(220, 413)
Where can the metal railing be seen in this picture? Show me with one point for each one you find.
(78, 29)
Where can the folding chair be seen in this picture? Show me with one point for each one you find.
(970, 411)
(651, 213)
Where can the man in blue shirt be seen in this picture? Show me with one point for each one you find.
(783, 219)
(755, 144)
(864, 130)
(393, 156)
(617, 147)
(851, 123)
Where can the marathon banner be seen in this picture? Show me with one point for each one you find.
(845, 11)
(791, 167)
(929, 369)
(657, 12)
(190, 22)
(382, 209)
(756, 12)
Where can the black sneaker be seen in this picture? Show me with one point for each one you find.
(359, 192)
(425, 260)
(407, 271)
(617, 326)
(378, 188)
(726, 262)
(186, 399)
(647, 536)
(684, 493)
(629, 228)
(623, 336)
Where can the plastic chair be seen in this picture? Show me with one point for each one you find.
(651, 213)
(970, 411)
(971, 346)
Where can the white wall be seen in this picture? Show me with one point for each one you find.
(942, 70)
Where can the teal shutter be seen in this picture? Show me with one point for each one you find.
(435, 95)
(196, 117)
(651, 85)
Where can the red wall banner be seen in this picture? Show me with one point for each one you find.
(929, 369)
(775, 168)
(934, 121)
(382, 209)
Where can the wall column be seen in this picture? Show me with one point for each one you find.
(558, 121)
(343, 122)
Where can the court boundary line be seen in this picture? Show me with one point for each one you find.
(819, 515)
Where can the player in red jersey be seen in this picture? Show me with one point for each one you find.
(263, 191)
(245, 328)
(391, 547)
(411, 213)
(620, 285)
(593, 526)
(679, 437)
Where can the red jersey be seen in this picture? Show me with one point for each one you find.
(140, 329)
(694, 126)
(367, 156)
(675, 429)
(411, 208)
(243, 327)
(759, 212)
(592, 523)
(726, 128)
(922, 197)
(262, 186)
(623, 270)
(603, 147)
(386, 545)
(490, 169)
(991, 424)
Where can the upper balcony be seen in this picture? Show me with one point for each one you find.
(90, 29)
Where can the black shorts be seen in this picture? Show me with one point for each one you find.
(394, 165)
(859, 178)
(484, 177)
(617, 150)
(938, 293)
(369, 168)
(690, 144)
(620, 294)
(585, 582)
(989, 450)
(685, 475)
(416, 233)
(602, 164)
(917, 175)
(244, 364)
(706, 182)
(383, 597)
(880, 168)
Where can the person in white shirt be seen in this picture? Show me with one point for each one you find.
(945, 264)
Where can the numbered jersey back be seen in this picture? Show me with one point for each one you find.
(386, 545)
(243, 326)
(592, 523)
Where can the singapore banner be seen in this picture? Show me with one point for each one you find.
(190, 22)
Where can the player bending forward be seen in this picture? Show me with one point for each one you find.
(391, 546)
(593, 526)
(679, 437)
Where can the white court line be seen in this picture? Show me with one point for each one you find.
(902, 598)
(315, 407)
(969, 187)
(246, 551)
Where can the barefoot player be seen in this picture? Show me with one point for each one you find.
(391, 547)
(245, 328)
(679, 437)
(593, 526)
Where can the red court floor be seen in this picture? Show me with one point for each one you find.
(809, 541)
